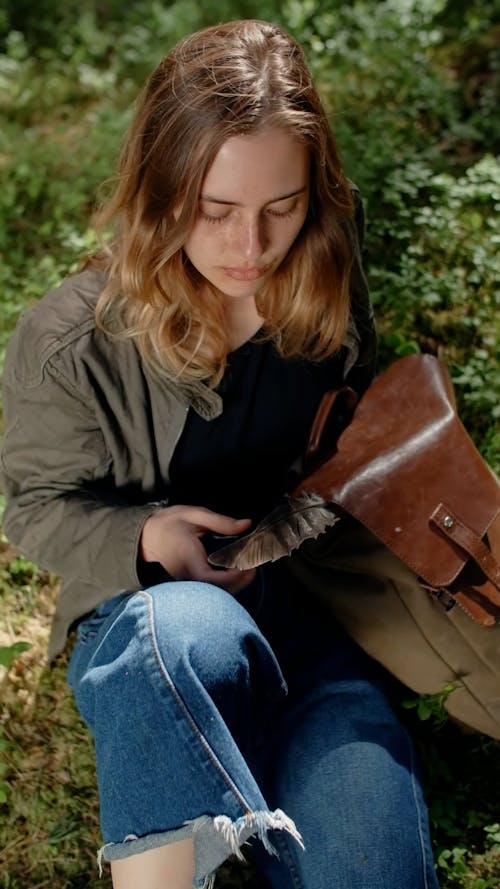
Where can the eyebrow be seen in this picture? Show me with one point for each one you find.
(283, 197)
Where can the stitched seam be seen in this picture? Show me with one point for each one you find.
(187, 714)
(52, 349)
(419, 813)
(286, 856)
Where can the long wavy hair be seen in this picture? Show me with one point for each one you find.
(223, 81)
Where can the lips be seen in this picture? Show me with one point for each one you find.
(243, 274)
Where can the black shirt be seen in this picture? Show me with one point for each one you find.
(239, 463)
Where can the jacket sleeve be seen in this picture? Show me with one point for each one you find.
(362, 371)
(60, 511)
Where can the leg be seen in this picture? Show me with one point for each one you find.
(345, 772)
(167, 682)
(167, 867)
(340, 764)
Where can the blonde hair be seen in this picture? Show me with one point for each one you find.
(226, 80)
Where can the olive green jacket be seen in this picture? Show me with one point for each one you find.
(89, 435)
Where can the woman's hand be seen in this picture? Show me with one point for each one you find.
(172, 535)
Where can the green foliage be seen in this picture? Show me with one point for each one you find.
(433, 233)
(461, 775)
(21, 574)
(431, 707)
(471, 48)
(418, 133)
(492, 832)
(412, 89)
(435, 274)
(21, 580)
(8, 654)
(375, 63)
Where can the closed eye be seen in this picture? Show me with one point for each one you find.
(282, 214)
(217, 220)
(213, 220)
(285, 212)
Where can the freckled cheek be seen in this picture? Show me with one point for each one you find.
(223, 245)
(205, 247)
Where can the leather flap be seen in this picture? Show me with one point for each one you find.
(404, 454)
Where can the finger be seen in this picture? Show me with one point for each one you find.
(204, 572)
(243, 580)
(194, 565)
(206, 520)
(232, 580)
(230, 577)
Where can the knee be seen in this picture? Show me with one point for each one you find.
(201, 629)
(191, 612)
(188, 635)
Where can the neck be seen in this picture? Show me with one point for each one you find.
(243, 321)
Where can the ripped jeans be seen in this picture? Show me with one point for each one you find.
(252, 720)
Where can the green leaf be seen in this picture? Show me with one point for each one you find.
(9, 654)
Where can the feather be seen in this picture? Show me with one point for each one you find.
(280, 532)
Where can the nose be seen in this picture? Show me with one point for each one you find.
(251, 237)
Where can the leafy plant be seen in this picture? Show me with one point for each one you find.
(432, 706)
(412, 90)
(9, 653)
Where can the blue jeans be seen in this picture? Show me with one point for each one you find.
(253, 720)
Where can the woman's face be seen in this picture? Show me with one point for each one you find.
(252, 205)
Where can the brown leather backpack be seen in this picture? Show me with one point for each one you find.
(410, 564)
(407, 470)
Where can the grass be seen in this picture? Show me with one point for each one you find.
(407, 110)
(49, 830)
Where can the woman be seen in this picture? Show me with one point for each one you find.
(159, 401)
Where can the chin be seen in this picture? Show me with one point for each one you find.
(239, 293)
